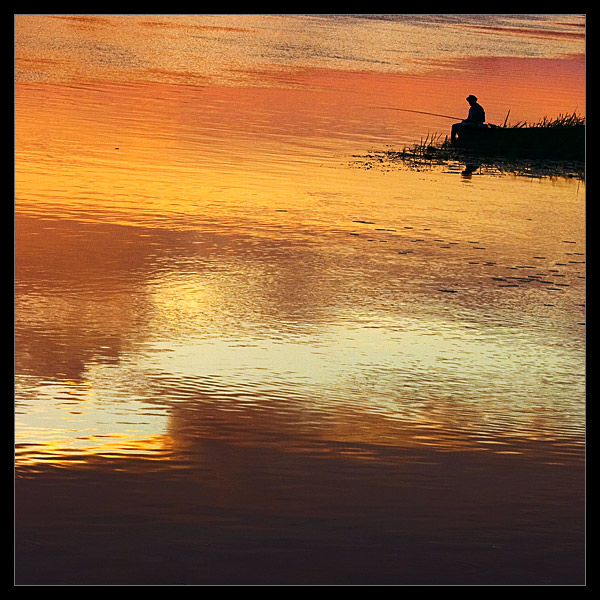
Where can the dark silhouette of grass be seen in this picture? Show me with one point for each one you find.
(572, 120)
(552, 146)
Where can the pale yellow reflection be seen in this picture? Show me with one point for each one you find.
(73, 422)
(418, 383)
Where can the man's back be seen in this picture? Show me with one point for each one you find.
(476, 114)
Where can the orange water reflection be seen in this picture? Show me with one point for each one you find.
(158, 207)
(242, 358)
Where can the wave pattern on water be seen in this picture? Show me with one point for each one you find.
(240, 360)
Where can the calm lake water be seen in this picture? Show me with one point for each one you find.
(241, 358)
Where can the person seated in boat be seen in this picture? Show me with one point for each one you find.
(475, 118)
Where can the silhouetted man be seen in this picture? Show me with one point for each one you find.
(476, 118)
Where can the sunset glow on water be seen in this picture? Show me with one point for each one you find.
(241, 358)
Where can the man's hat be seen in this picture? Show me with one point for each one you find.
(471, 97)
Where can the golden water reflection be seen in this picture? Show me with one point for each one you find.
(197, 259)
(174, 337)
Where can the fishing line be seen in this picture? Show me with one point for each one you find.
(421, 112)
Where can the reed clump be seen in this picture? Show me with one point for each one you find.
(556, 138)
(567, 120)
(432, 144)
(550, 147)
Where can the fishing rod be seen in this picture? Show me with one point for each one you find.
(421, 112)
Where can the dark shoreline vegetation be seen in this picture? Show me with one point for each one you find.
(549, 148)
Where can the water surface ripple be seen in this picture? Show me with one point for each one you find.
(239, 359)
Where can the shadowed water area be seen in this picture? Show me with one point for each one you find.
(239, 358)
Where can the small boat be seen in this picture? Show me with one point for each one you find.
(561, 142)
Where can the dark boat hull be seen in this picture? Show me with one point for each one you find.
(559, 143)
